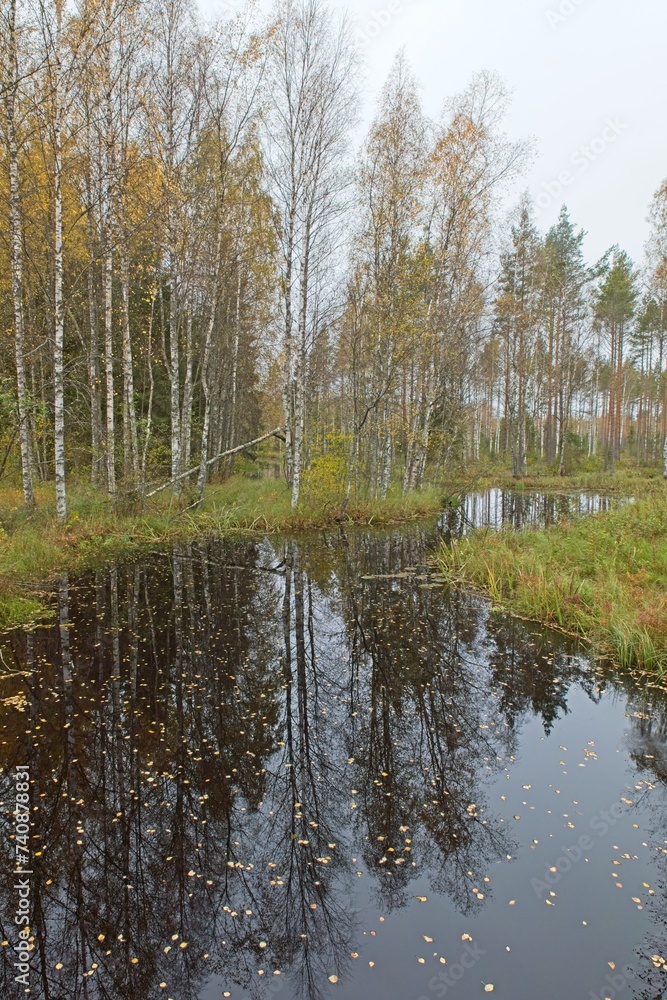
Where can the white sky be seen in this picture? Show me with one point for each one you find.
(569, 74)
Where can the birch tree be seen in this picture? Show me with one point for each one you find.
(60, 68)
(173, 122)
(311, 109)
(10, 82)
(391, 183)
(472, 160)
(232, 78)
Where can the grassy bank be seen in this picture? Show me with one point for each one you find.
(624, 481)
(35, 547)
(603, 578)
(517, 570)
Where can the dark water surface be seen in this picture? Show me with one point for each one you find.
(303, 769)
(498, 508)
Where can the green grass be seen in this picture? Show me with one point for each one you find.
(35, 547)
(624, 481)
(603, 578)
(573, 577)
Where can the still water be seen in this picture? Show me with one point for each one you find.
(305, 769)
(498, 508)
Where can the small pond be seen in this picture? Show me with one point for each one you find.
(305, 770)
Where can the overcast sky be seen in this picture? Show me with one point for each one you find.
(588, 83)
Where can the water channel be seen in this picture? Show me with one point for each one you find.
(304, 768)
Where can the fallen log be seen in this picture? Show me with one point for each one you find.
(225, 454)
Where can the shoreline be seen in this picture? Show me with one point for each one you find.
(35, 547)
(601, 578)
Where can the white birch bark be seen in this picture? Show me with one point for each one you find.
(130, 436)
(206, 391)
(312, 108)
(300, 365)
(110, 443)
(16, 246)
(108, 224)
(174, 373)
(96, 434)
(58, 304)
(186, 410)
(151, 389)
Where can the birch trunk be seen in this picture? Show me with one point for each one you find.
(130, 436)
(206, 361)
(206, 391)
(17, 265)
(174, 375)
(108, 368)
(186, 413)
(58, 305)
(386, 456)
(151, 388)
(108, 232)
(287, 387)
(418, 451)
(96, 434)
(235, 372)
(300, 366)
(298, 426)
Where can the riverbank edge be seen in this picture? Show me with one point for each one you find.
(35, 548)
(601, 578)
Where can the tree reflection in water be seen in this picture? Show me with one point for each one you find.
(214, 731)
